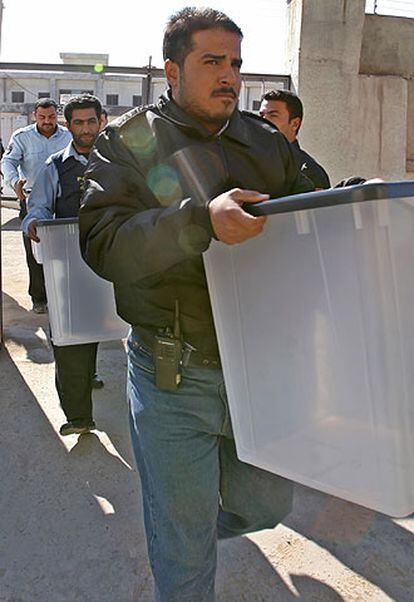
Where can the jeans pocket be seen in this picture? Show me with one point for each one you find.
(140, 355)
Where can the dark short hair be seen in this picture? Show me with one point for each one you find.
(181, 25)
(293, 103)
(45, 103)
(83, 101)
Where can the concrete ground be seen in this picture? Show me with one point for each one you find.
(70, 512)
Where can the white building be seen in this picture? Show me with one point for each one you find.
(119, 88)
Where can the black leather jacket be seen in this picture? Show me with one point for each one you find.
(310, 167)
(144, 223)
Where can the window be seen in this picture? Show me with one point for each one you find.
(43, 95)
(74, 91)
(137, 100)
(256, 105)
(17, 96)
(112, 100)
(66, 94)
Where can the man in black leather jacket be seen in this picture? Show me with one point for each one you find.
(161, 183)
(285, 110)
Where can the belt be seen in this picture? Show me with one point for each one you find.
(195, 358)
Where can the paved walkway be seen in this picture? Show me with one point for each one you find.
(71, 524)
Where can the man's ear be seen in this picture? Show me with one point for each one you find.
(296, 121)
(172, 72)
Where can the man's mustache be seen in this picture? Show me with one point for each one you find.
(224, 90)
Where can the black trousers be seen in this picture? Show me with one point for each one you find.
(37, 289)
(75, 366)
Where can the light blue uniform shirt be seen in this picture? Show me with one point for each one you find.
(28, 150)
(46, 189)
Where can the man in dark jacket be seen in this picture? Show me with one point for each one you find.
(285, 110)
(56, 194)
(161, 183)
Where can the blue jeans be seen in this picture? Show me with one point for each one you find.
(193, 485)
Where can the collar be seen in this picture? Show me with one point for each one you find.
(70, 151)
(295, 144)
(234, 128)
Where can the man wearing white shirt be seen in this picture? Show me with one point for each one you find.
(28, 149)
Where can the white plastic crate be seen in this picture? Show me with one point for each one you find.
(81, 304)
(315, 321)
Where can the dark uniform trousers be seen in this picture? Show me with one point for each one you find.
(37, 290)
(75, 365)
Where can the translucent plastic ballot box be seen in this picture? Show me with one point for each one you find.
(81, 305)
(315, 323)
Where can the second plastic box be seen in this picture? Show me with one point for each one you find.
(81, 304)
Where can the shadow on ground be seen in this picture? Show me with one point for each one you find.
(71, 525)
(22, 329)
(373, 545)
(244, 574)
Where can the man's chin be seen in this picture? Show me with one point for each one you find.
(225, 111)
(213, 115)
(46, 129)
(84, 143)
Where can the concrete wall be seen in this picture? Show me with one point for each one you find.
(29, 85)
(124, 89)
(410, 129)
(388, 46)
(84, 58)
(10, 122)
(355, 123)
(388, 49)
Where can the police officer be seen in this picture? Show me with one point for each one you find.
(56, 193)
(28, 149)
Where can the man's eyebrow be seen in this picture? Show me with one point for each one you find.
(210, 55)
(219, 57)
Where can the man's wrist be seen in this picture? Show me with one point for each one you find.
(201, 216)
(27, 222)
(213, 234)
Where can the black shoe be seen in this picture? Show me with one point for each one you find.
(78, 428)
(39, 307)
(97, 382)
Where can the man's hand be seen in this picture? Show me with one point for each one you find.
(18, 189)
(32, 231)
(230, 223)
